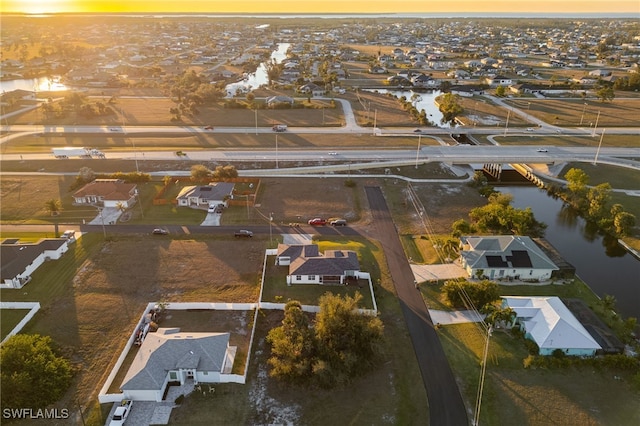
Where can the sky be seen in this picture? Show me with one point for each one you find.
(324, 6)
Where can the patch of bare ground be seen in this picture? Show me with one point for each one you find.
(444, 204)
(111, 289)
(300, 199)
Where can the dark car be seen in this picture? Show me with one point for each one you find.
(208, 127)
(243, 233)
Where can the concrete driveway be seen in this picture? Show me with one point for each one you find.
(212, 219)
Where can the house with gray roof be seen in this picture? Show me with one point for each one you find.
(171, 356)
(205, 195)
(20, 260)
(308, 266)
(505, 257)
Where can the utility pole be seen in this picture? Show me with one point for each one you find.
(506, 125)
(418, 151)
(582, 117)
(596, 126)
(276, 151)
(256, 113)
(595, 160)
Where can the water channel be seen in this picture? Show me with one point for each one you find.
(41, 84)
(600, 261)
(259, 77)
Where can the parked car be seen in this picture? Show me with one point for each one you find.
(338, 222)
(160, 231)
(121, 413)
(243, 233)
(318, 221)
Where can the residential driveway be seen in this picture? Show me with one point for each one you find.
(299, 238)
(446, 407)
(212, 219)
(108, 216)
(446, 271)
(454, 317)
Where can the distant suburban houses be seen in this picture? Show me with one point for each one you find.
(20, 260)
(107, 193)
(549, 323)
(506, 257)
(171, 356)
(308, 266)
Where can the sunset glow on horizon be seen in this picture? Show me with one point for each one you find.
(310, 7)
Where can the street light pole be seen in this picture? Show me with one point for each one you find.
(595, 160)
(596, 126)
(582, 117)
(276, 151)
(104, 230)
(418, 151)
(256, 113)
(270, 222)
(506, 125)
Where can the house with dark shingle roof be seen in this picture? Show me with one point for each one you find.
(171, 356)
(505, 257)
(20, 260)
(308, 266)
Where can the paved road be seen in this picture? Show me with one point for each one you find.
(446, 406)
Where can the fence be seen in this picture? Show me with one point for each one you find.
(33, 308)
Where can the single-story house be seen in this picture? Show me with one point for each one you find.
(169, 355)
(272, 101)
(499, 80)
(20, 260)
(205, 195)
(549, 323)
(308, 266)
(505, 257)
(106, 192)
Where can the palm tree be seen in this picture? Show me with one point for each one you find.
(53, 206)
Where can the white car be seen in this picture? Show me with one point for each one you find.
(542, 150)
(333, 153)
(530, 129)
(121, 413)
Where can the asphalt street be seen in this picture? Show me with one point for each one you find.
(446, 406)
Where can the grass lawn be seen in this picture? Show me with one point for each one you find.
(513, 395)
(390, 394)
(621, 141)
(276, 289)
(9, 318)
(569, 112)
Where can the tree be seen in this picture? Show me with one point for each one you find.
(167, 180)
(598, 197)
(463, 294)
(348, 341)
(32, 374)
(200, 172)
(606, 93)
(343, 343)
(576, 180)
(501, 91)
(53, 206)
(624, 223)
(293, 345)
(450, 107)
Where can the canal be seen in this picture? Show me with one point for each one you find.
(599, 260)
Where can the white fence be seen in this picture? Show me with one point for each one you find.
(33, 308)
(105, 397)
